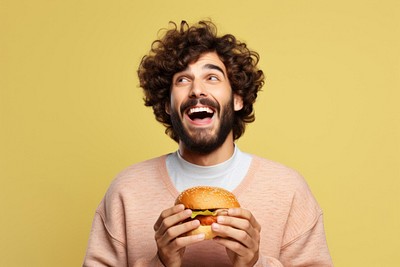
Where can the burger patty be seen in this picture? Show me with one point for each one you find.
(210, 219)
(206, 220)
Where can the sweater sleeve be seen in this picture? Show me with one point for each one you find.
(304, 241)
(104, 249)
(265, 261)
(154, 262)
(308, 249)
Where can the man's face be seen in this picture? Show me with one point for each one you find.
(202, 104)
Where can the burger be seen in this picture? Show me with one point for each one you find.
(206, 203)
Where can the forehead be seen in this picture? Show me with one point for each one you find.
(206, 61)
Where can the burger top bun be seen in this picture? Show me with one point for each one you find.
(207, 197)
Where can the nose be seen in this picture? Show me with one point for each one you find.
(197, 90)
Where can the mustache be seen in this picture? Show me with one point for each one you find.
(203, 101)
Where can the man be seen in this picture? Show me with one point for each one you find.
(202, 87)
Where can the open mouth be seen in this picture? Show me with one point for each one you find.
(200, 113)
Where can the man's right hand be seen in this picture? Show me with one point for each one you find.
(168, 230)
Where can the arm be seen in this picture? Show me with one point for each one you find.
(239, 232)
(304, 242)
(103, 248)
(309, 248)
(300, 237)
(107, 248)
(241, 240)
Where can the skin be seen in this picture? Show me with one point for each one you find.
(202, 79)
(239, 231)
(168, 229)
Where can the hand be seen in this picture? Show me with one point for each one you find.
(168, 230)
(239, 233)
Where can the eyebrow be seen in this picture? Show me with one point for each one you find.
(214, 67)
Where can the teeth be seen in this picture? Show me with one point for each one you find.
(200, 109)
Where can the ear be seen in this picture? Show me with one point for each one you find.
(168, 108)
(237, 102)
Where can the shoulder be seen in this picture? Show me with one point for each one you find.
(289, 184)
(141, 167)
(136, 180)
(135, 183)
(281, 192)
(128, 193)
(275, 173)
(281, 185)
(136, 172)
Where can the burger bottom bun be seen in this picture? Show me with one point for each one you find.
(205, 229)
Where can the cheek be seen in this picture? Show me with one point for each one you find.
(175, 106)
(173, 101)
(176, 97)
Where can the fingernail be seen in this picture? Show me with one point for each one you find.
(201, 236)
(223, 212)
(220, 219)
(215, 226)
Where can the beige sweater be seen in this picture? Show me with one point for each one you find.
(292, 232)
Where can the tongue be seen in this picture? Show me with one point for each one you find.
(200, 116)
(204, 120)
(199, 119)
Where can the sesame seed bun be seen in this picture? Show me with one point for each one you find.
(207, 198)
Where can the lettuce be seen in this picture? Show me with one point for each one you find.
(203, 212)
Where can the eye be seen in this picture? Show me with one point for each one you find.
(182, 79)
(213, 78)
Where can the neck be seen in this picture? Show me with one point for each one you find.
(219, 155)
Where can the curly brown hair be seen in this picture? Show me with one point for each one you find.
(181, 46)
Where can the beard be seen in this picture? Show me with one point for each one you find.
(202, 141)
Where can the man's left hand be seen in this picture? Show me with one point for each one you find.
(239, 233)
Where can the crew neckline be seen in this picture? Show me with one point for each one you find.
(164, 176)
(228, 174)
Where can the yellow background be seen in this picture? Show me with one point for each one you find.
(72, 115)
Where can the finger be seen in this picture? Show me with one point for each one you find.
(182, 242)
(237, 247)
(237, 235)
(172, 220)
(174, 234)
(245, 214)
(166, 213)
(239, 223)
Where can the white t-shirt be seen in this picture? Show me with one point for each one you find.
(227, 174)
